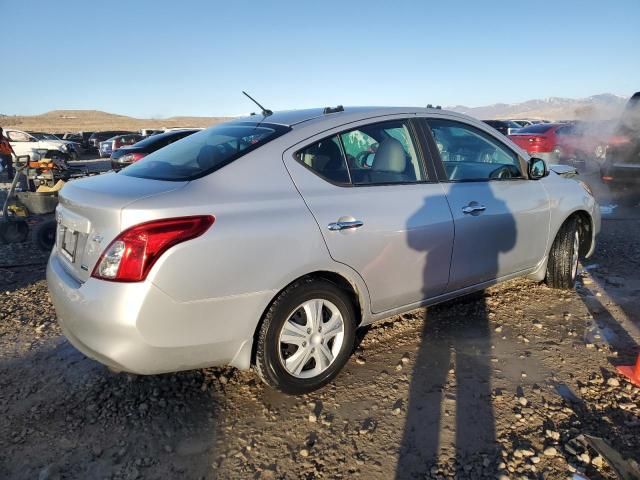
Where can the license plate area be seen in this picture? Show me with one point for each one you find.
(68, 243)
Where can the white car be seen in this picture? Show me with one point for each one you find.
(24, 143)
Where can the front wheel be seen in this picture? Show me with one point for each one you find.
(306, 337)
(562, 266)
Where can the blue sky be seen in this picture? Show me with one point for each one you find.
(156, 58)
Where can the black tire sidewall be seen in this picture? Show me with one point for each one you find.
(560, 266)
(287, 305)
(45, 235)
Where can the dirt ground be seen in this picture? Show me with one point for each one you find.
(508, 384)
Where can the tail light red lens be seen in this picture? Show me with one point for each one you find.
(137, 156)
(131, 255)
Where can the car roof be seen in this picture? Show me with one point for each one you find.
(291, 118)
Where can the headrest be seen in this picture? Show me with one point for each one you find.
(390, 157)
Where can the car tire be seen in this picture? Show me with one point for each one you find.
(562, 265)
(44, 235)
(312, 358)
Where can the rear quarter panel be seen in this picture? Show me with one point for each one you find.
(263, 238)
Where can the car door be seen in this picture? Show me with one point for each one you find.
(378, 208)
(501, 217)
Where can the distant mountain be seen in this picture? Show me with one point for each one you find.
(92, 120)
(597, 107)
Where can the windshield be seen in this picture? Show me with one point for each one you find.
(203, 152)
(539, 128)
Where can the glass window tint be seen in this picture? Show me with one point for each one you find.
(379, 153)
(326, 159)
(469, 154)
(382, 153)
(203, 152)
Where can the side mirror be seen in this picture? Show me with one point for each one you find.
(537, 168)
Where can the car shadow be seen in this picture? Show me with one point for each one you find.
(450, 418)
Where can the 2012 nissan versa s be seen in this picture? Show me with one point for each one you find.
(269, 240)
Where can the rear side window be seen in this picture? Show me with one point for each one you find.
(204, 152)
(375, 154)
(327, 160)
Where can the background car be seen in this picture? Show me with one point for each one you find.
(505, 127)
(523, 123)
(23, 143)
(127, 155)
(576, 141)
(96, 137)
(113, 143)
(261, 242)
(79, 137)
(73, 149)
(621, 168)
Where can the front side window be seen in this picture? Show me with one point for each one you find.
(380, 153)
(469, 154)
(203, 152)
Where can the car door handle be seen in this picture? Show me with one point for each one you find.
(473, 207)
(334, 226)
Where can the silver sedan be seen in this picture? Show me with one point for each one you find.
(267, 241)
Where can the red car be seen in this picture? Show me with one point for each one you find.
(560, 141)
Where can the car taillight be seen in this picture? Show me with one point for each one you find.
(132, 254)
(133, 157)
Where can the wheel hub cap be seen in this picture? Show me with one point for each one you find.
(311, 338)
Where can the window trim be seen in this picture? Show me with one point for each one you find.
(416, 138)
(441, 172)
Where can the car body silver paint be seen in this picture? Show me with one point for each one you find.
(203, 299)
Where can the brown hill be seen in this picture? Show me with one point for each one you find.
(95, 120)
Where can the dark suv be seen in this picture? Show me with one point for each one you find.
(621, 168)
(97, 137)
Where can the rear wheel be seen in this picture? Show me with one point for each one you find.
(306, 337)
(562, 266)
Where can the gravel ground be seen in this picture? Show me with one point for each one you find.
(507, 384)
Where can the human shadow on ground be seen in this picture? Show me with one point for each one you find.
(450, 417)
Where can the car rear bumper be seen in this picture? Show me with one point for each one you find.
(136, 327)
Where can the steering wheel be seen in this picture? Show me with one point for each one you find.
(502, 172)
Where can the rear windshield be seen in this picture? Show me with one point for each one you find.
(159, 137)
(203, 152)
(539, 128)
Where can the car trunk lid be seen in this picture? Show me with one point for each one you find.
(89, 216)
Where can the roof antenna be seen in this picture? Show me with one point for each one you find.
(265, 111)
